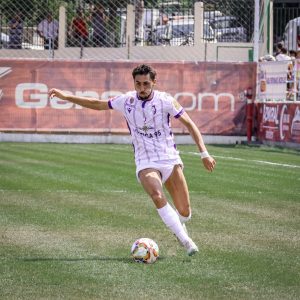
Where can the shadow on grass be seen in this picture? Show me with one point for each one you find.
(94, 258)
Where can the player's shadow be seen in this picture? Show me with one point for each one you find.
(75, 259)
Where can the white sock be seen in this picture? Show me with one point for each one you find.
(182, 218)
(171, 219)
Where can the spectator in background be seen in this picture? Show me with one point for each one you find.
(279, 46)
(167, 35)
(267, 57)
(139, 21)
(290, 85)
(283, 56)
(293, 54)
(297, 74)
(48, 30)
(79, 30)
(99, 22)
(16, 32)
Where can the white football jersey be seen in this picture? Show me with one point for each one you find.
(149, 124)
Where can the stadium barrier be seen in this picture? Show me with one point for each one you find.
(212, 93)
(278, 123)
(277, 105)
(278, 81)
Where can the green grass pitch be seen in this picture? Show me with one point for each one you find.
(70, 212)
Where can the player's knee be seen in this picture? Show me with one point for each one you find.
(157, 197)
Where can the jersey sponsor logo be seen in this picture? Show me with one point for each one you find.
(149, 135)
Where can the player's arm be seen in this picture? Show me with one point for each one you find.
(208, 161)
(91, 103)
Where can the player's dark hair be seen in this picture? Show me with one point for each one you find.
(144, 70)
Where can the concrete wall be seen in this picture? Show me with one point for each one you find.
(107, 138)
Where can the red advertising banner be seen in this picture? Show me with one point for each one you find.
(212, 94)
(278, 122)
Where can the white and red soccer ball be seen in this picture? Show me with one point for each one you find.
(145, 250)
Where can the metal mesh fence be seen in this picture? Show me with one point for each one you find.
(84, 28)
(166, 23)
(282, 20)
(22, 26)
(96, 25)
(35, 24)
(231, 21)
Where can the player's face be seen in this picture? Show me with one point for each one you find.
(143, 84)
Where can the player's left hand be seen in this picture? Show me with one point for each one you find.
(209, 163)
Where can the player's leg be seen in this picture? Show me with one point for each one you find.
(178, 190)
(152, 184)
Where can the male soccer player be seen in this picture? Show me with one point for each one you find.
(147, 112)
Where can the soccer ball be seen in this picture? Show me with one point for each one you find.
(145, 250)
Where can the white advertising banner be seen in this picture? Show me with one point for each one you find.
(272, 80)
(297, 77)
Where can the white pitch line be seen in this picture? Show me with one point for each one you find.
(276, 164)
(231, 158)
(253, 160)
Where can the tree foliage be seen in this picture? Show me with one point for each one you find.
(32, 10)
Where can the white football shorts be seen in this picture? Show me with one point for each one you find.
(165, 167)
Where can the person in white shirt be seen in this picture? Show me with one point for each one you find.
(167, 34)
(148, 113)
(283, 55)
(48, 30)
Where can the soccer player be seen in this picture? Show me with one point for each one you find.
(147, 112)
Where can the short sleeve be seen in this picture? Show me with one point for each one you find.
(117, 103)
(174, 108)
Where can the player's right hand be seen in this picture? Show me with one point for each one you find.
(57, 93)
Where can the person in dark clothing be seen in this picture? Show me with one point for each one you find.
(99, 22)
(15, 32)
